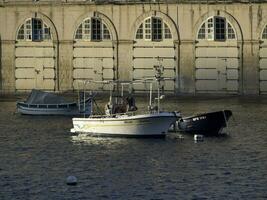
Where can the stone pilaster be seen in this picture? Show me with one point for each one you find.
(8, 66)
(125, 51)
(250, 69)
(187, 66)
(65, 65)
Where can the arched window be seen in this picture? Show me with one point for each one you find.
(92, 29)
(153, 29)
(34, 29)
(264, 33)
(216, 28)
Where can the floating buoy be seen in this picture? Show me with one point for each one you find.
(198, 138)
(71, 180)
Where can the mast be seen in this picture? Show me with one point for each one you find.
(158, 76)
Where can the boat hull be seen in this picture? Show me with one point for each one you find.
(205, 124)
(53, 109)
(154, 125)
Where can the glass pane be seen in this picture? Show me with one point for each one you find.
(167, 32)
(47, 35)
(21, 33)
(28, 30)
(220, 28)
(37, 32)
(210, 29)
(148, 29)
(156, 29)
(230, 32)
(79, 32)
(86, 29)
(202, 32)
(106, 34)
(96, 29)
(139, 33)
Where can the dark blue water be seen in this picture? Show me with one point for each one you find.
(37, 154)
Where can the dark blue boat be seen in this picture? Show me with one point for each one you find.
(206, 124)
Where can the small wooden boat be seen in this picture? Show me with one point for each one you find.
(206, 124)
(46, 103)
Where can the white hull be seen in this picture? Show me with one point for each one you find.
(156, 124)
(71, 109)
(44, 111)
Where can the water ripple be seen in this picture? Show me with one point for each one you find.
(39, 153)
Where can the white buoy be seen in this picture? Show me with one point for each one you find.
(198, 138)
(71, 180)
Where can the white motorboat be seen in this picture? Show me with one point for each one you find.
(151, 124)
(155, 123)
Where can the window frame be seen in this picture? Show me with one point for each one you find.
(157, 29)
(148, 31)
(98, 30)
(37, 30)
(220, 24)
(27, 31)
(210, 30)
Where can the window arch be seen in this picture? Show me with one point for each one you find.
(153, 29)
(216, 28)
(264, 33)
(93, 29)
(34, 29)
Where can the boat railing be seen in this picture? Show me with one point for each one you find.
(56, 106)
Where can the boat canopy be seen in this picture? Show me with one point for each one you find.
(41, 97)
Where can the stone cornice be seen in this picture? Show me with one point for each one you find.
(121, 2)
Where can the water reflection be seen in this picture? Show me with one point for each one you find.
(85, 139)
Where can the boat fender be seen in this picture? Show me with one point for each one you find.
(71, 180)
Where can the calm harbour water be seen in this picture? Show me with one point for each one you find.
(38, 153)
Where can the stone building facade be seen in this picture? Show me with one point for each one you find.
(203, 46)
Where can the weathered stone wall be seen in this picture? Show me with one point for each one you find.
(248, 20)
